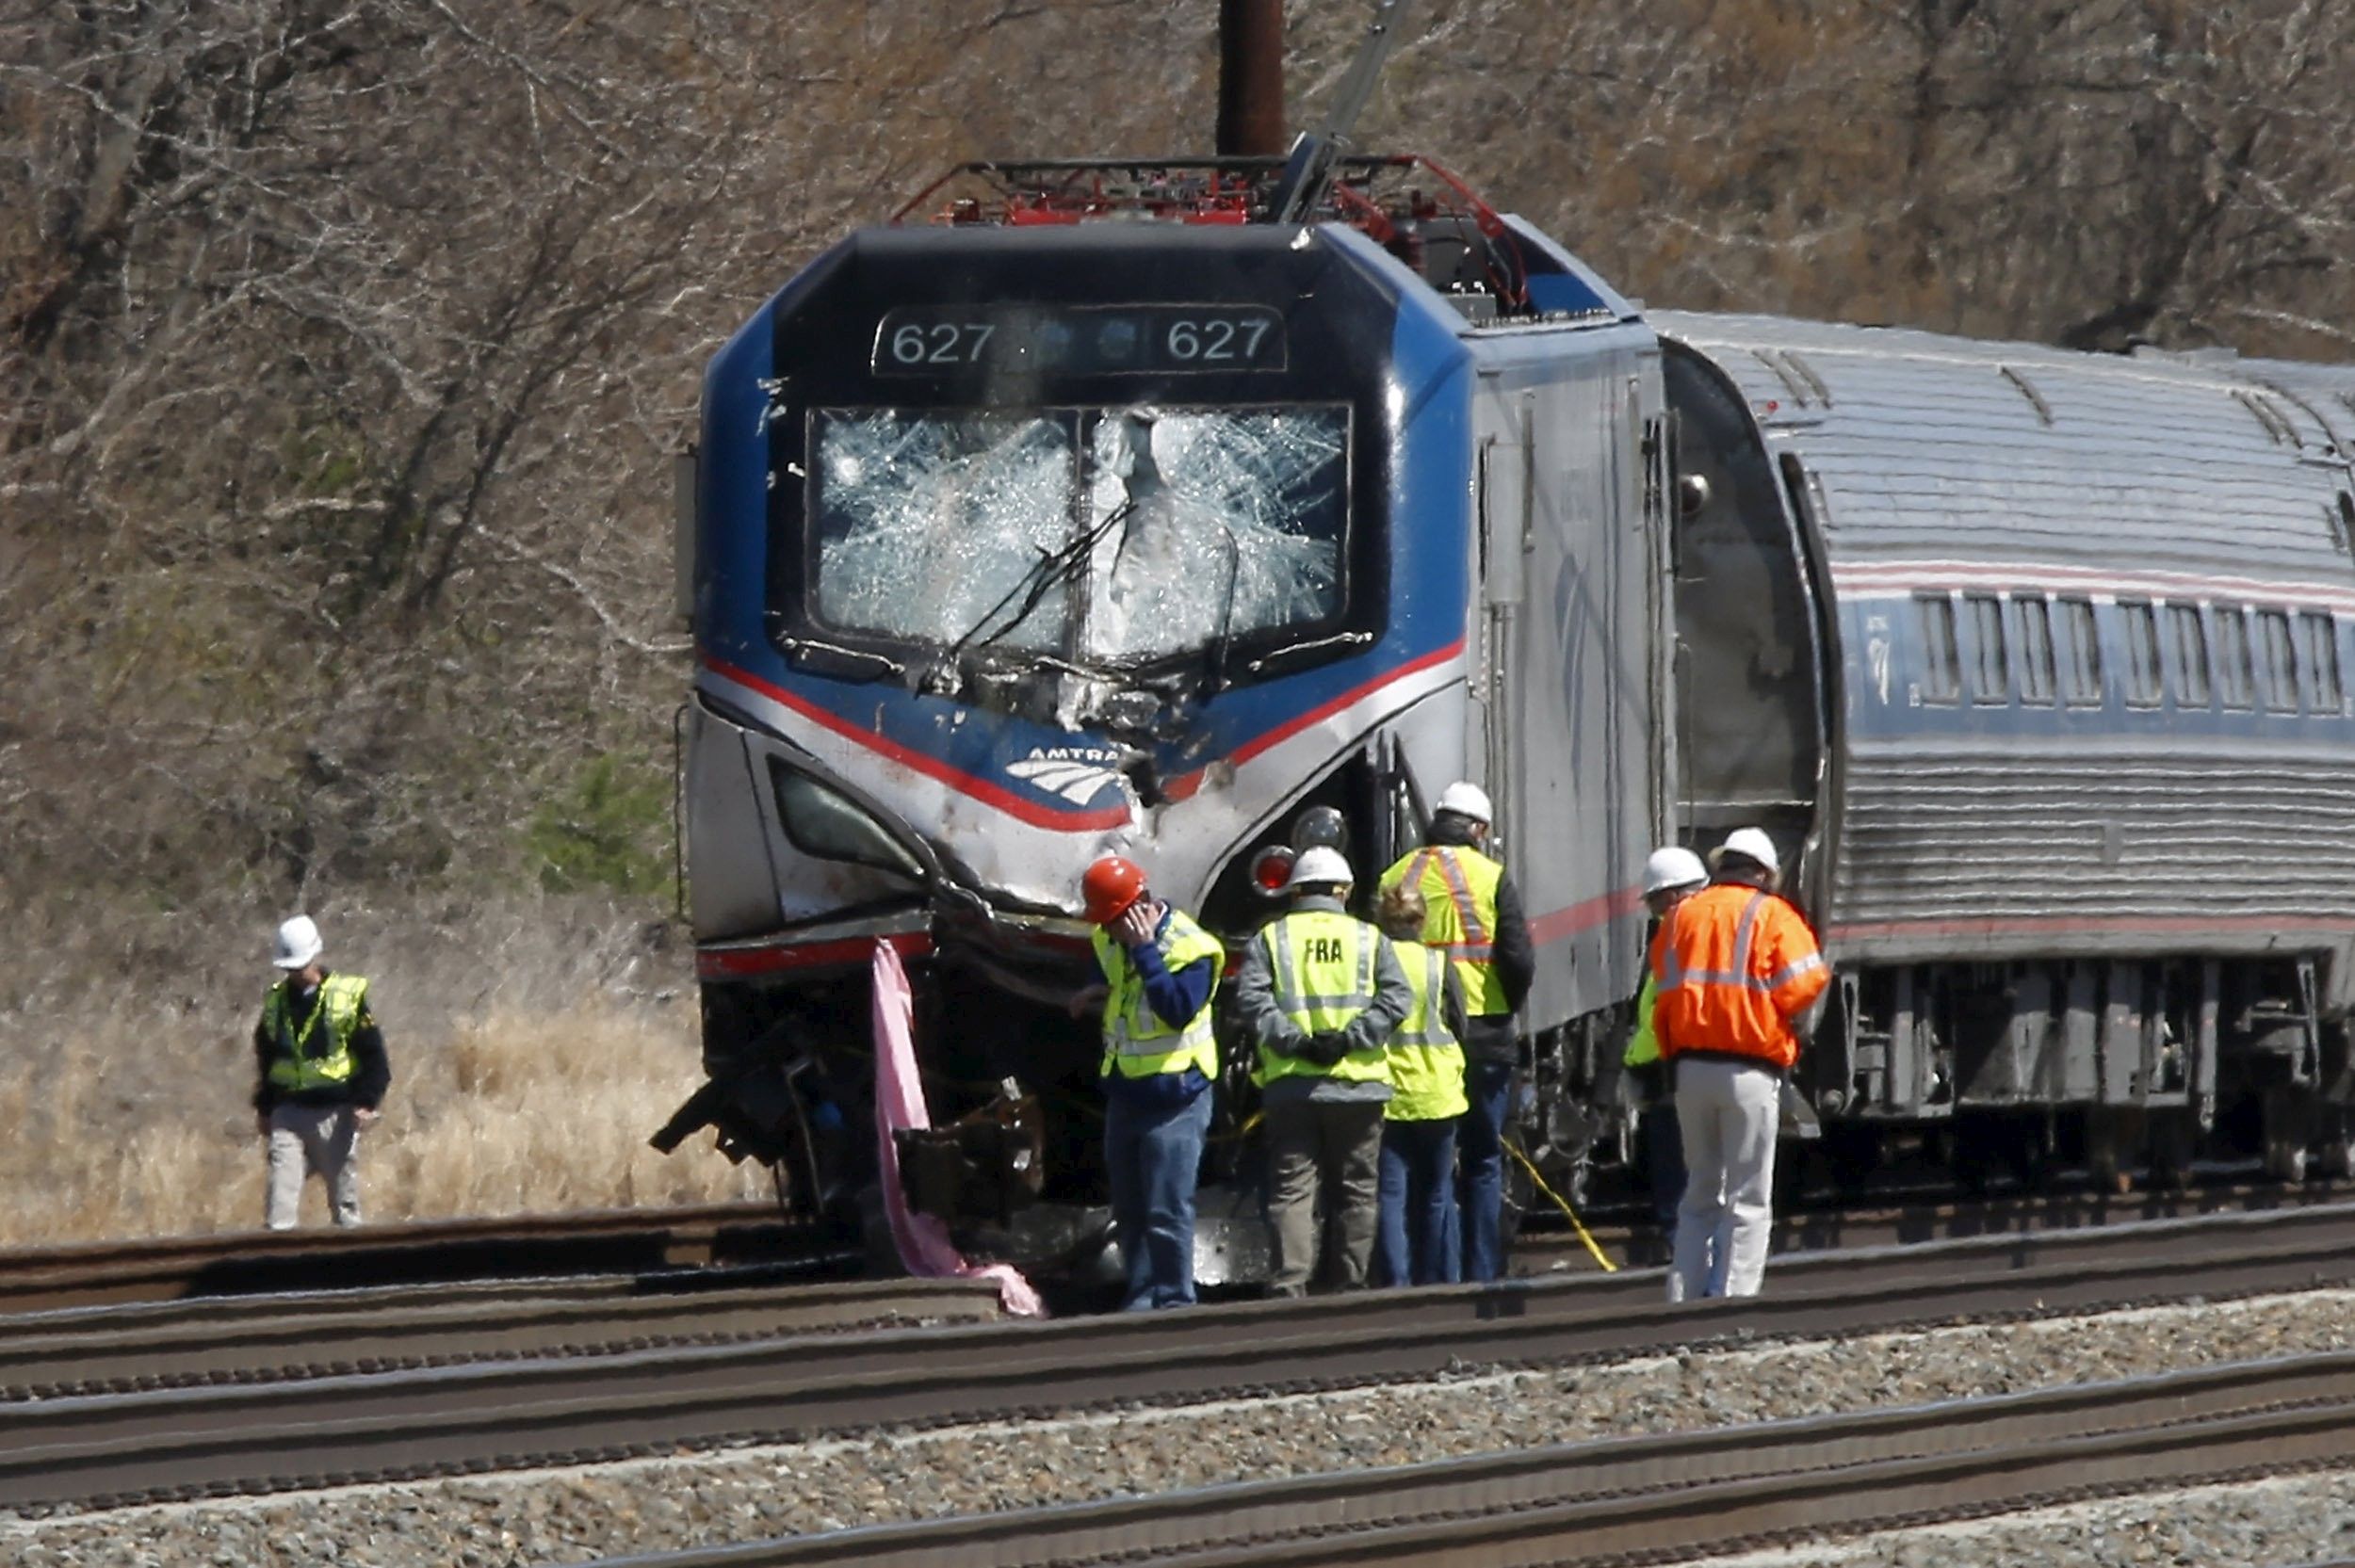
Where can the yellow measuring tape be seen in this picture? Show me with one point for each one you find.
(1563, 1205)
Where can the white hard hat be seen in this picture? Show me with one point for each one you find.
(1319, 867)
(1753, 844)
(1466, 799)
(297, 944)
(1673, 866)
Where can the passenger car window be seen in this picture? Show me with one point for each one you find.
(2187, 644)
(1990, 670)
(2322, 659)
(2278, 665)
(2235, 685)
(1941, 677)
(2144, 681)
(2084, 637)
(2035, 617)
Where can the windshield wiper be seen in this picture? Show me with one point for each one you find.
(1051, 570)
(1277, 658)
(1227, 612)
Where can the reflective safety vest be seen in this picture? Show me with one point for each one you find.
(1321, 964)
(304, 1061)
(1426, 1060)
(1644, 1048)
(1459, 886)
(1731, 966)
(1137, 1040)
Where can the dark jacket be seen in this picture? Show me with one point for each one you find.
(371, 1074)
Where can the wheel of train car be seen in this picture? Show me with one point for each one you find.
(2111, 1174)
(2338, 1158)
(2285, 1159)
(1978, 1148)
(2289, 1133)
(1851, 1153)
(2032, 1149)
(2174, 1138)
(2113, 1135)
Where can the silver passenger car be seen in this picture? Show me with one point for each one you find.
(2035, 661)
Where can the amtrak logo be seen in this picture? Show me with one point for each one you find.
(1076, 774)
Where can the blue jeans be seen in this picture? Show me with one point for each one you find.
(1415, 1243)
(1664, 1152)
(1488, 1085)
(1154, 1154)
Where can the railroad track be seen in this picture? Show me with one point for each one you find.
(258, 1339)
(211, 1340)
(1664, 1499)
(1937, 1216)
(418, 1252)
(261, 1437)
(717, 1235)
(202, 1340)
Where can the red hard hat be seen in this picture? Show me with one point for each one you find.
(1110, 886)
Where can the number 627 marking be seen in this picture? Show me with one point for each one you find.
(1215, 341)
(941, 342)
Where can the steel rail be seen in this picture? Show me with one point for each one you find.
(1618, 1500)
(1935, 1215)
(324, 1334)
(263, 1338)
(421, 1252)
(444, 1252)
(245, 1439)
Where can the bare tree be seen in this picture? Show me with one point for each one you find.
(348, 343)
(340, 346)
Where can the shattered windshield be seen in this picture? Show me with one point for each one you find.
(1110, 536)
(925, 522)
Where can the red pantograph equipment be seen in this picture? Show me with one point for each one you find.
(1731, 967)
(1110, 886)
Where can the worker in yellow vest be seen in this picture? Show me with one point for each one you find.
(1319, 994)
(1672, 875)
(1160, 971)
(1415, 1244)
(1474, 914)
(323, 1076)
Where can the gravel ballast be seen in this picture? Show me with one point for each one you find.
(576, 1514)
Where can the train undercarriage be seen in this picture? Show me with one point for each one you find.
(2021, 1076)
(2019, 1073)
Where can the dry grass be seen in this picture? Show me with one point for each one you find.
(533, 1048)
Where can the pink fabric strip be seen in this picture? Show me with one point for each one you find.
(925, 1249)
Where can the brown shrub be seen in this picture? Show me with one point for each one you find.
(534, 1045)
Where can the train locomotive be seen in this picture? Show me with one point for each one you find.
(1146, 507)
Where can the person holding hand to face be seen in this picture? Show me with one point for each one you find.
(1160, 971)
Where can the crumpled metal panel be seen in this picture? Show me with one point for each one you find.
(1184, 843)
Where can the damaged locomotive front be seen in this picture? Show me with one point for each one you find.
(1015, 545)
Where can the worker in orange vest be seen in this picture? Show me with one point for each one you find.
(1734, 968)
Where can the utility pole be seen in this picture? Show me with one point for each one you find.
(1251, 78)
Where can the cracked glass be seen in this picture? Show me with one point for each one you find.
(1109, 535)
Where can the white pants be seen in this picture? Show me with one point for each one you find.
(304, 1139)
(1729, 1114)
